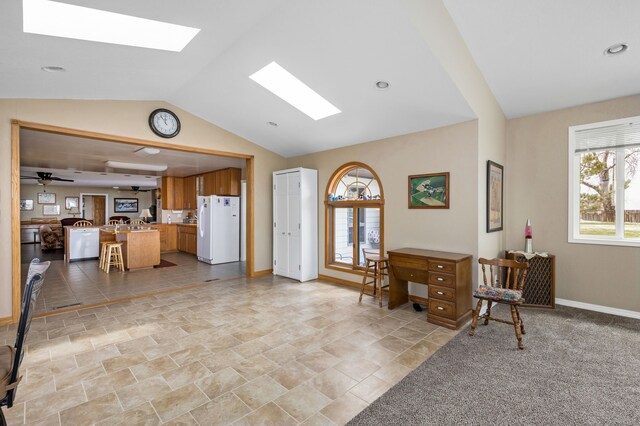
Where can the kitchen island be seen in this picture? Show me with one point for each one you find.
(140, 248)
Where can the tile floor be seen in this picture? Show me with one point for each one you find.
(82, 282)
(242, 351)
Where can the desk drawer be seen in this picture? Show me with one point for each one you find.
(408, 262)
(408, 274)
(442, 293)
(442, 266)
(441, 308)
(442, 279)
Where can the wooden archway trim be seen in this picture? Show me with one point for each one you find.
(340, 171)
(17, 125)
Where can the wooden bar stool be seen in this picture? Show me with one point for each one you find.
(103, 254)
(377, 267)
(114, 256)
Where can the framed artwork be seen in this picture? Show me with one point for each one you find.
(495, 192)
(430, 191)
(26, 204)
(49, 210)
(46, 198)
(125, 205)
(71, 202)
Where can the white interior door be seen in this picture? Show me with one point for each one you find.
(281, 266)
(294, 224)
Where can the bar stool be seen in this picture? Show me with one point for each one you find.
(113, 256)
(103, 254)
(377, 267)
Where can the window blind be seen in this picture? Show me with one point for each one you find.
(626, 135)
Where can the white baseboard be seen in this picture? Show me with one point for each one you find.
(598, 308)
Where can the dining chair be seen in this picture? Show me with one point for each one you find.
(82, 224)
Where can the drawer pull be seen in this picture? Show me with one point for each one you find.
(440, 267)
(440, 279)
(439, 292)
(440, 308)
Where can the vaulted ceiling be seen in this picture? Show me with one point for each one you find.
(535, 56)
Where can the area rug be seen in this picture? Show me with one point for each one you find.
(577, 368)
(164, 264)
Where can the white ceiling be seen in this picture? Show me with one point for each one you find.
(48, 152)
(545, 55)
(536, 56)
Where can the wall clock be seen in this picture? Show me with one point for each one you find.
(164, 123)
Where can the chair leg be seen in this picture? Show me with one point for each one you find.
(516, 325)
(379, 283)
(3, 421)
(474, 319)
(488, 314)
(364, 281)
(521, 322)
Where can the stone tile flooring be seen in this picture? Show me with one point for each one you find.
(83, 283)
(242, 351)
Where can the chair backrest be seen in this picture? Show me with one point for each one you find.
(82, 224)
(35, 281)
(136, 221)
(45, 228)
(504, 273)
(114, 222)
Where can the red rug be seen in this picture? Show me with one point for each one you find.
(164, 264)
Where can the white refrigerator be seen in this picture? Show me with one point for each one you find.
(218, 229)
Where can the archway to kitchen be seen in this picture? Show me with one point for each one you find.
(185, 275)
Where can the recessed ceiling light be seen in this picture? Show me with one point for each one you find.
(272, 123)
(53, 68)
(116, 187)
(286, 86)
(136, 166)
(77, 172)
(83, 23)
(149, 177)
(103, 174)
(147, 150)
(382, 84)
(616, 49)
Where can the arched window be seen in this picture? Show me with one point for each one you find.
(354, 217)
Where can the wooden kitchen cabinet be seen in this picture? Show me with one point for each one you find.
(172, 193)
(221, 182)
(187, 239)
(189, 191)
(209, 184)
(168, 236)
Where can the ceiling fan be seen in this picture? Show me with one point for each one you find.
(45, 178)
(136, 189)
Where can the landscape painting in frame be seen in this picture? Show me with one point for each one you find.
(125, 205)
(429, 191)
(495, 184)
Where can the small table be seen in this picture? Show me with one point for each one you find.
(448, 276)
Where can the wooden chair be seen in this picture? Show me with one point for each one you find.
(114, 222)
(376, 268)
(137, 222)
(11, 356)
(82, 224)
(504, 284)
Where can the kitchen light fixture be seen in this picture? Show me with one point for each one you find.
(52, 68)
(147, 150)
(616, 49)
(286, 86)
(116, 187)
(272, 123)
(382, 84)
(83, 23)
(136, 166)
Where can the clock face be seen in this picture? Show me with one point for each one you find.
(164, 123)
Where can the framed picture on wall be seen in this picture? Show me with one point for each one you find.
(26, 204)
(495, 191)
(429, 191)
(125, 205)
(49, 210)
(46, 198)
(71, 202)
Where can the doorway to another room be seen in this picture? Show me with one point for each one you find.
(94, 208)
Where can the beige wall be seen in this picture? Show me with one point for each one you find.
(537, 184)
(128, 118)
(30, 192)
(450, 149)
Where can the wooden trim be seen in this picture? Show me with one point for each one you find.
(16, 125)
(345, 283)
(16, 290)
(340, 171)
(123, 139)
(6, 320)
(127, 299)
(262, 273)
(419, 300)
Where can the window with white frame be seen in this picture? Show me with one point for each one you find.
(604, 183)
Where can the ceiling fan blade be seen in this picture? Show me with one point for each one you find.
(29, 177)
(44, 175)
(61, 180)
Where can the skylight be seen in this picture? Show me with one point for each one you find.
(285, 85)
(70, 21)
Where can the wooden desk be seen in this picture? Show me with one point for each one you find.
(448, 276)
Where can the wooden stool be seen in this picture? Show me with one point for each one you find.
(114, 256)
(103, 254)
(376, 268)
